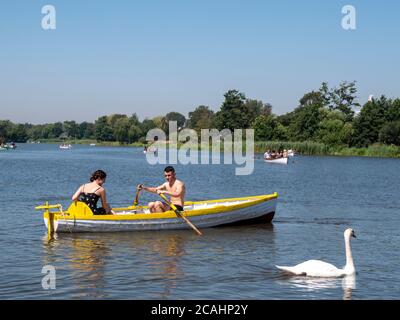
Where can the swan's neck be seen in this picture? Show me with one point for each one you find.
(349, 268)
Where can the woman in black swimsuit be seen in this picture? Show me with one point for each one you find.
(90, 193)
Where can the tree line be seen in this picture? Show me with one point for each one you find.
(331, 116)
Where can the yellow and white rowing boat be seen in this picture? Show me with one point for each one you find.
(210, 213)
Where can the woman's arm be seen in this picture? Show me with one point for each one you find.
(78, 192)
(104, 203)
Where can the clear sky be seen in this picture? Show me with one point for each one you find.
(155, 56)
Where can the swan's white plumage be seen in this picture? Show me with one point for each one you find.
(317, 268)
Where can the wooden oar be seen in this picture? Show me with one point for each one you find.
(136, 201)
(179, 214)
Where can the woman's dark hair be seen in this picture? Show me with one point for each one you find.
(99, 174)
(169, 169)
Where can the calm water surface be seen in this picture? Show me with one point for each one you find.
(319, 197)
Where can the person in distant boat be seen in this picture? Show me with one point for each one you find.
(173, 188)
(90, 193)
(267, 155)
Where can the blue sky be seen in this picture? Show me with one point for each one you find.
(151, 57)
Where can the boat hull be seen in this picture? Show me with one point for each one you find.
(278, 161)
(261, 212)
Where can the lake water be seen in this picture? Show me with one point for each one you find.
(319, 197)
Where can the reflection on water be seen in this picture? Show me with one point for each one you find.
(85, 258)
(88, 262)
(171, 271)
(88, 258)
(348, 284)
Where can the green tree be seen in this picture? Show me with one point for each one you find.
(333, 130)
(159, 122)
(103, 130)
(233, 112)
(201, 118)
(121, 130)
(18, 133)
(255, 108)
(86, 130)
(390, 133)
(134, 120)
(313, 98)
(305, 119)
(264, 127)
(147, 125)
(35, 132)
(370, 121)
(71, 129)
(176, 116)
(5, 128)
(113, 118)
(134, 133)
(54, 130)
(342, 98)
(393, 110)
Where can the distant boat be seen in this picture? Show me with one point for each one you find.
(153, 150)
(92, 144)
(65, 146)
(277, 160)
(8, 146)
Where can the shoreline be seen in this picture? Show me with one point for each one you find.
(301, 148)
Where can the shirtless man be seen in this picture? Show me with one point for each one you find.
(173, 188)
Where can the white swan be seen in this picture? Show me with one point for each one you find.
(317, 268)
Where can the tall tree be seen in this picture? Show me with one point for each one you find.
(86, 130)
(113, 118)
(5, 128)
(342, 98)
(56, 130)
(18, 133)
(176, 116)
(255, 108)
(201, 118)
(147, 125)
(103, 130)
(304, 120)
(232, 114)
(370, 121)
(333, 130)
(71, 129)
(121, 130)
(265, 127)
(390, 133)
